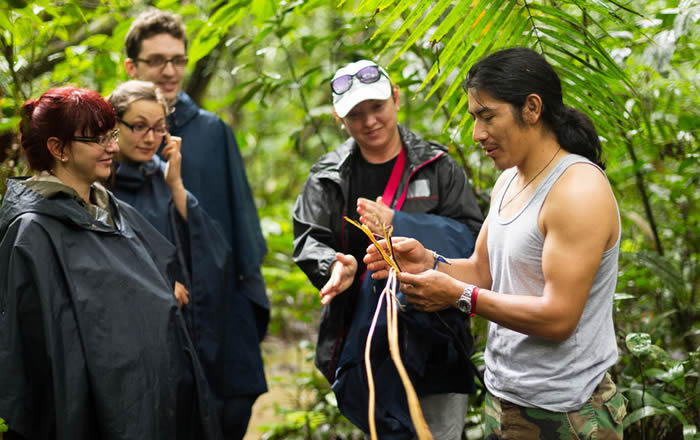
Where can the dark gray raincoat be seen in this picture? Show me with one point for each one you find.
(92, 343)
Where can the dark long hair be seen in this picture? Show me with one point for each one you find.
(510, 75)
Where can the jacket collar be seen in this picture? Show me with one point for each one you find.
(57, 203)
(185, 110)
(335, 164)
(131, 177)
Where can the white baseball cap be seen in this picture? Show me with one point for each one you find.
(359, 91)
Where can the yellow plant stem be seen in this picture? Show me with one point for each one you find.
(368, 368)
(417, 418)
(387, 234)
(389, 296)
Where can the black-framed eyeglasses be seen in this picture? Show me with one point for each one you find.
(366, 75)
(159, 61)
(143, 129)
(105, 140)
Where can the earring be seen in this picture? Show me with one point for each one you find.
(64, 160)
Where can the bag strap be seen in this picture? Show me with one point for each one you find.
(394, 179)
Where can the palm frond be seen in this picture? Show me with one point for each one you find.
(466, 30)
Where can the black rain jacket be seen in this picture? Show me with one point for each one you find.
(220, 317)
(320, 229)
(213, 170)
(92, 343)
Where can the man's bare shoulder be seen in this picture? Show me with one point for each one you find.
(582, 201)
(583, 183)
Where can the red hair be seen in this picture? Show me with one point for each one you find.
(61, 113)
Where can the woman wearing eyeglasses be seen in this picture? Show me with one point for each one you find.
(221, 321)
(92, 343)
(141, 178)
(384, 173)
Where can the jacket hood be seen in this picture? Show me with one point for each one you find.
(418, 151)
(21, 199)
(185, 110)
(132, 176)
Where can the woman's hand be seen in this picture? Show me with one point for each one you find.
(410, 254)
(173, 177)
(181, 294)
(374, 214)
(171, 153)
(342, 275)
(430, 291)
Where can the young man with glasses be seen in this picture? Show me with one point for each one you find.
(212, 169)
(385, 174)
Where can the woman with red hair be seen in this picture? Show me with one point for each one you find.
(92, 342)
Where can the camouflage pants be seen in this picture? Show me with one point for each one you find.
(600, 418)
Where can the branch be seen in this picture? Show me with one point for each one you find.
(458, 147)
(304, 103)
(534, 27)
(205, 67)
(639, 179)
(624, 8)
(203, 72)
(55, 52)
(9, 53)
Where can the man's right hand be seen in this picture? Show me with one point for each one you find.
(342, 275)
(410, 254)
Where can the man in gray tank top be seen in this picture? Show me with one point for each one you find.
(545, 265)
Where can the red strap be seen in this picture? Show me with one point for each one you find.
(475, 296)
(394, 180)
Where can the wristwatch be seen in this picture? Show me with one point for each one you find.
(464, 303)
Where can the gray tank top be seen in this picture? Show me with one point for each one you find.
(527, 370)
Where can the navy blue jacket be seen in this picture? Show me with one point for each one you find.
(213, 170)
(221, 319)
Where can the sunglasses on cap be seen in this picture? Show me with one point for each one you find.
(366, 75)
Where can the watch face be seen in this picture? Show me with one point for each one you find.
(464, 305)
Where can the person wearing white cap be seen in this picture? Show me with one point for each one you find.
(385, 174)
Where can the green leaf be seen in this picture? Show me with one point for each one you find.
(5, 24)
(423, 27)
(623, 296)
(395, 13)
(9, 124)
(211, 33)
(639, 414)
(457, 13)
(96, 40)
(639, 344)
(689, 432)
(415, 14)
(262, 10)
(448, 57)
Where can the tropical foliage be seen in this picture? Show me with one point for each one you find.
(264, 67)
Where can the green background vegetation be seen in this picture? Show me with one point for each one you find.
(264, 66)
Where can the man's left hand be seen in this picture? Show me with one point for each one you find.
(430, 291)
